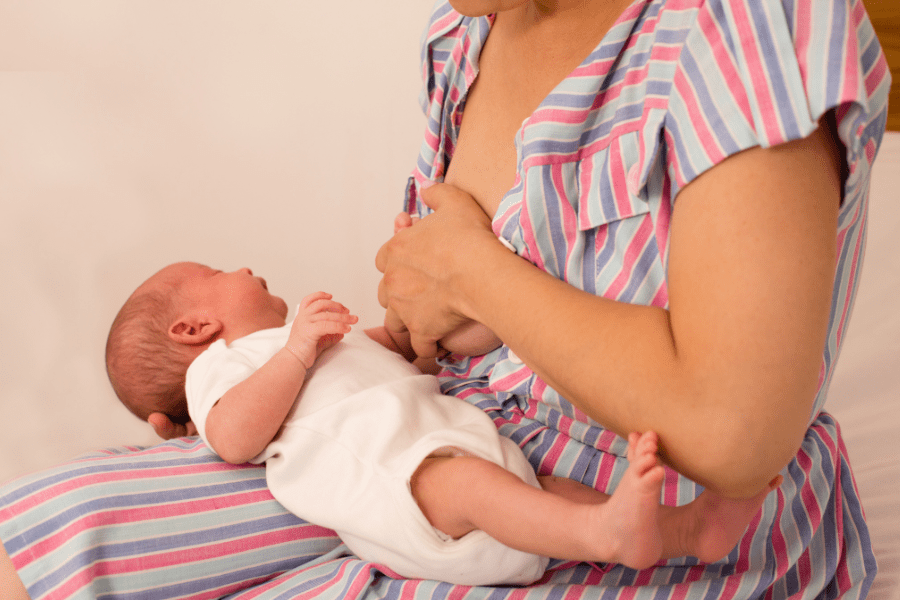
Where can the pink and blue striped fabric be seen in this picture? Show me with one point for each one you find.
(674, 88)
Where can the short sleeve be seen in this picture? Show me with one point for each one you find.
(762, 72)
(213, 372)
(450, 48)
(436, 47)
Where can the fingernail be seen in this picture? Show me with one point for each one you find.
(426, 183)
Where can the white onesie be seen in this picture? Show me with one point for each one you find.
(363, 422)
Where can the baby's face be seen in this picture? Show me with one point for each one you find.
(239, 299)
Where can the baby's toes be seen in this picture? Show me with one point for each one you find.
(648, 443)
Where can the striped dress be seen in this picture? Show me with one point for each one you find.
(674, 88)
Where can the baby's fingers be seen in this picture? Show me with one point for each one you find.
(332, 316)
(325, 305)
(325, 324)
(314, 325)
(330, 331)
(314, 297)
(316, 332)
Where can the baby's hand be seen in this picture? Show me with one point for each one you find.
(320, 324)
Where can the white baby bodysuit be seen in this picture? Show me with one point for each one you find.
(362, 423)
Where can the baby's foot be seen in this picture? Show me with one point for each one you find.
(630, 517)
(717, 524)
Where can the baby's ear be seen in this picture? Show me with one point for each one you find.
(194, 330)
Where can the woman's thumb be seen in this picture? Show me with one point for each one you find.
(428, 195)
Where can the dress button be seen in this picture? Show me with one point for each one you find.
(633, 182)
(507, 243)
(514, 358)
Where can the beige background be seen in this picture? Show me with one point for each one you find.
(276, 135)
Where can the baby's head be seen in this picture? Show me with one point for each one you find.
(169, 320)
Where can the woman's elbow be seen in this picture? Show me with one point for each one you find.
(744, 476)
(742, 457)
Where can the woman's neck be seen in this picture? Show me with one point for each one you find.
(559, 30)
(571, 12)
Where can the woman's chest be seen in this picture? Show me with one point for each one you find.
(516, 74)
(552, 163)
(484, 159)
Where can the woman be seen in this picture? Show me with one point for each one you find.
(675, 180)
(693, 191)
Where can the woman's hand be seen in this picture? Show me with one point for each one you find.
(167, 429)
(423, 267)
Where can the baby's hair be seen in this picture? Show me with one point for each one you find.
(146, 368)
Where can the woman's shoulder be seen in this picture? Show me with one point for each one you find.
(715, 77)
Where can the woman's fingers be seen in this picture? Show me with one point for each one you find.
(419, 262)
(167, 430)
(403, 221)
(381, 258)
(434, 194)
(424, 347)
(393, 322)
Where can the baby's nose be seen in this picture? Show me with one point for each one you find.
(246, 270)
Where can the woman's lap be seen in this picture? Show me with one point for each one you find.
(172, 517)
(173, 521)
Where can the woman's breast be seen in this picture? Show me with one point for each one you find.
(483, 166)
(484, 159)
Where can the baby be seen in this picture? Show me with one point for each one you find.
(357, 439)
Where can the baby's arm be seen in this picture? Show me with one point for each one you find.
(243, 422)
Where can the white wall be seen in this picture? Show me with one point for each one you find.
(276, 135)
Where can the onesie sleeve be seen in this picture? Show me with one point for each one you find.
(762, 72)
(213, 372)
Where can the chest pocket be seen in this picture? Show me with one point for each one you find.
(611, 185)
(589, 223)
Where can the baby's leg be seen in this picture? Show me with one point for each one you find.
(567, 521)
(708, 528)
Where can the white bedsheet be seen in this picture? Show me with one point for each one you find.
(865, 391)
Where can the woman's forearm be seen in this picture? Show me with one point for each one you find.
(619, 364)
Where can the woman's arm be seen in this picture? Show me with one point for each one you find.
(247, 417)
(12, 586)
(727, 376)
